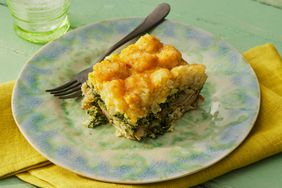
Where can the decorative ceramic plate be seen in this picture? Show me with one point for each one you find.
(201, 138)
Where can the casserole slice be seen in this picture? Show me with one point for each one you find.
(142, 90)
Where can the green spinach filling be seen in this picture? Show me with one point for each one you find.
(153, 124)
(97, 117)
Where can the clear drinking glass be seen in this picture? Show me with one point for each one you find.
(40, 21)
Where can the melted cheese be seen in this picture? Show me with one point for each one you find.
(142, 76)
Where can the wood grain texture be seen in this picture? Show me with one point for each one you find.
(273, 3)
(243, 23)
(267, 173)
(14, 52)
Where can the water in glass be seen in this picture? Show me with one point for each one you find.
(40, 21)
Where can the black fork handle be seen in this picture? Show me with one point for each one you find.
(152, 20)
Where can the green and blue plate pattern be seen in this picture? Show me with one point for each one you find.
(201, 137)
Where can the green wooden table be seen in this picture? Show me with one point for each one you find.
(243, 23)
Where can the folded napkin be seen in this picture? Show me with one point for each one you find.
(15, 153)
(264, 140)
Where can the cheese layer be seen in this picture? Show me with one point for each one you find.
(139, 78)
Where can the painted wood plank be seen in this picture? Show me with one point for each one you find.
(266, 173)
(243, 23)
(14, 182)
(14, 52)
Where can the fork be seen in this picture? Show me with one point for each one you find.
(72, 88)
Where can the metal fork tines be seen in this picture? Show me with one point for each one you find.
(71, 89)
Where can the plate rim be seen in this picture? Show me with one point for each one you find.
(134, 182)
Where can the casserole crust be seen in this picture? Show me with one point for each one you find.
(142, 90)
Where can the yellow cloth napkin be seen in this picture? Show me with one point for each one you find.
(15, 153)
(264, 140)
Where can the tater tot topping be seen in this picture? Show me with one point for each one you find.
(142, 76)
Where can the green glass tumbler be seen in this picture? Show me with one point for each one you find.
(40, 21)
